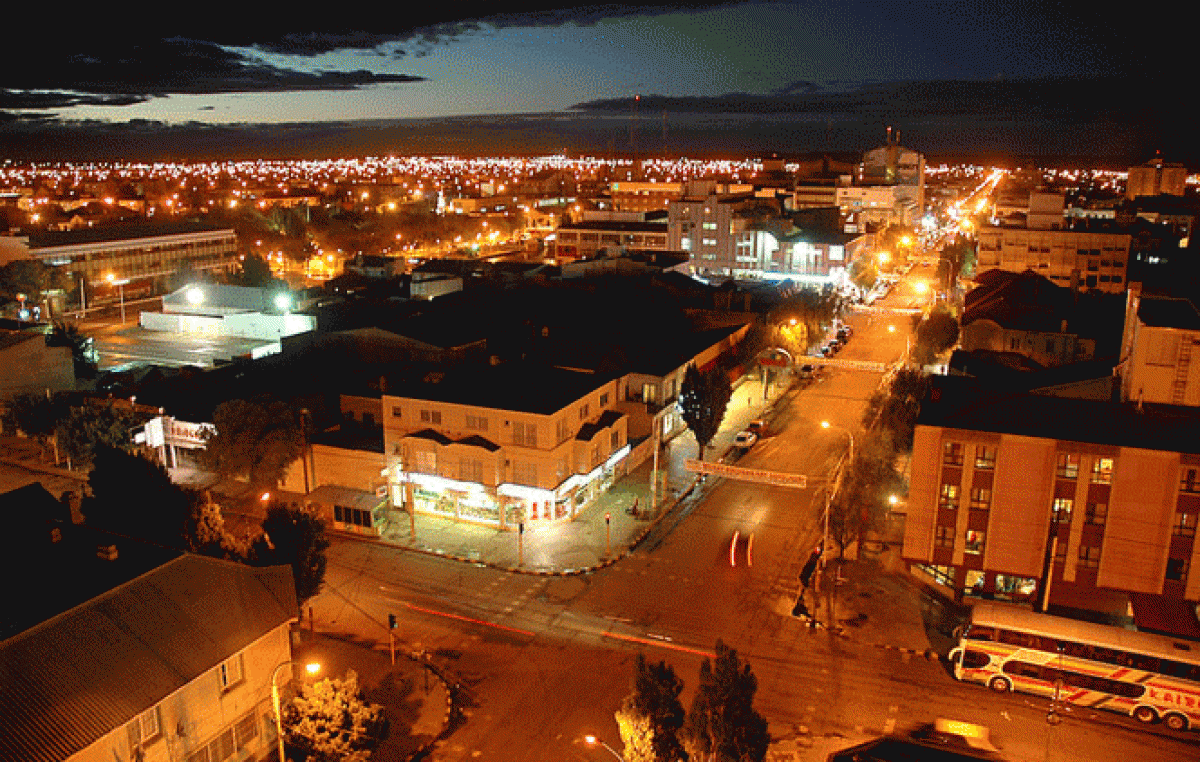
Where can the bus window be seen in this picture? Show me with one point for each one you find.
(975, 659)
(1024, 669)
(978, 632)
(1148, 663)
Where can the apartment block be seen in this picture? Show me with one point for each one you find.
(1055, 501)
(1080, 259)
(500, 445)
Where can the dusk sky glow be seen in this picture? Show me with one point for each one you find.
(535, 58)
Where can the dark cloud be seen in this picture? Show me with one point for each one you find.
(124, 75)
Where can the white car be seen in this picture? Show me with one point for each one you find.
(745, 439)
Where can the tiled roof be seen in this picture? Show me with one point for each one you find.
(71, 680)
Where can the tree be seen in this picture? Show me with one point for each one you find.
(37, 415)
(703, 397)
(864, 273)
(895, 408)
(83, 430)
(651, 715)
(131, 495)
(83, 348)
(32, 278)
(861, 501)
(722, 724)
(295, 537)
(206, 534)
(331, 722)
(935, 334)
(253, 440)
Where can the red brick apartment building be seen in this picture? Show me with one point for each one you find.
(1064, 503)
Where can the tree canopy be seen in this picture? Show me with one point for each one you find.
(651, 715)
(254, 440)
(330, 721)
(722, 724)
(131, 495)
(703, 398)
(935, 334)
(83, 348)
(295, 537)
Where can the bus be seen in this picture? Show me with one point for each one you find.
(1150, 677)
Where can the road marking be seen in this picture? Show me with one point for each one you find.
(462, 618)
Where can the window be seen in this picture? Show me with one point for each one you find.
(944, 537)
(219, 749)
(1189, 480)
(525, 473)
(1185, 525)
(981, 498)
(583, 413)
(358, 517)
(952, 453)
(245, 730)
(1177, 569)
(975, 540)
(470, 470)
(231, 672)
(1068, 466)
(396, 411)
(426, 462)
(1062, 510)
(431, 416)
(985, 457)
(1102, 469)
(477, 422)
(144, 728)
(604, 400)
(524, 434)
(1089, 556)
(949, 496)
(1095, 514)
(615, 441)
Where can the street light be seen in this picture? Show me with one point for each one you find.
(312, 668)
(828, 491)
(593, 740)
(119, 283)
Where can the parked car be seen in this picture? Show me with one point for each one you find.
(745, 439)
(757, 426)
(807, 372)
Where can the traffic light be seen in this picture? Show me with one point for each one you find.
(391, 621)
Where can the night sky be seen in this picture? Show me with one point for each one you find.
(919, 62)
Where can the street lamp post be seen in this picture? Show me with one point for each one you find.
(829, 491)
(120, 284)
(593, 740)
(312, 668)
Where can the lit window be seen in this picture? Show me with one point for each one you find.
(974, 544)
(1068, 465)
(985, 457)
(949, 496)
(981, 498)
(1062, 510)
(1185, 525)
(1102, 469)
(952, 454)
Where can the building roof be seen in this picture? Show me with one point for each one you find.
(525, 387)
(606, 419)
(617, 225)
(120, 232)
(1165, 312)
(962, 403)
(69, 681)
